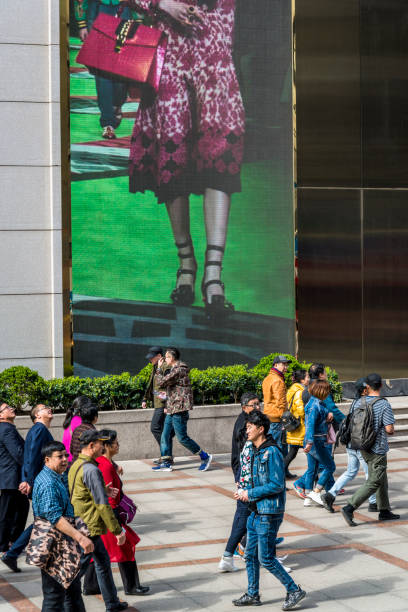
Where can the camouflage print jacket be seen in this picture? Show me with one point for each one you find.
(178, 388)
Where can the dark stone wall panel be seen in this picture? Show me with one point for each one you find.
(328, 93)
(385, 296)
(329, 283)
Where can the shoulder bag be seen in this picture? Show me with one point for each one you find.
(288, 420)
(126, 510)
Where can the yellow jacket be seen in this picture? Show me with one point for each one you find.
(298, 410)
(274, 393)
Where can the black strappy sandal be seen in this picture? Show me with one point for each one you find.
(183, 295)
(218, 308)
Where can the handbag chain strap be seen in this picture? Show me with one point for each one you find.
(122, 34)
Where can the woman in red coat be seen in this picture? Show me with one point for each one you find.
(123, 555)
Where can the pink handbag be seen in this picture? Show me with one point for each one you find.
(331, 435)
(127, 49)
(126, 510)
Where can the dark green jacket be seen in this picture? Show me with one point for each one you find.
(153, 385)
(89, 497)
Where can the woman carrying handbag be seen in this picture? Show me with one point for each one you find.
(124, 510)
(318, 419)
(111, 91)
(189, 138)
(294, 438)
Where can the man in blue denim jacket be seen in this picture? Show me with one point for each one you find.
(266, 496)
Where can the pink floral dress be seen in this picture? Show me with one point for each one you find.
(190, 136)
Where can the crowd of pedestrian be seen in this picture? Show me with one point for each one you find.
(82, 515)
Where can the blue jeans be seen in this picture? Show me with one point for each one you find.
(178, 422)
(157, 424)
(111, 92)
(262, 530)
(103, 572)
(239, 526)
(320, 453)
(276, 430)
(301, 482)
(19, 545)
(354, 460)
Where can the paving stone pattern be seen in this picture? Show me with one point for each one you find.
(184, 520)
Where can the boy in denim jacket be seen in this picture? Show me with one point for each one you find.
(266, 494)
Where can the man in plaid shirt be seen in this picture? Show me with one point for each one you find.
(51, 502)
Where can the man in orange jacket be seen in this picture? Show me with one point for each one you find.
(274, 393)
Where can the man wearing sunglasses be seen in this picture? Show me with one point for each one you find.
(38, 437)
(13, 504)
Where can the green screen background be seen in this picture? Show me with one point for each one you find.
(122, 244)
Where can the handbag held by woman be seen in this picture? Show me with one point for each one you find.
(288, 420)
(126, 49)
(126, 510)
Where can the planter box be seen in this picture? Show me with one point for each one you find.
(210, 426)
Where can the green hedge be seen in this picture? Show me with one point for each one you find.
(22, 387)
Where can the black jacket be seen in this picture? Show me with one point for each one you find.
(239, 437)
(38, 436)
(11, 456)
(153, 386)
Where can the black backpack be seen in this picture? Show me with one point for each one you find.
(362, 431)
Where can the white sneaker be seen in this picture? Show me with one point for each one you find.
(315, 497)
(282, 558)
(227, 565)
(285, 567)
(308, 502)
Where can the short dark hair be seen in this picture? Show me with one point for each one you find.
(34, 411)
(52, 447)
(247, 397)
(359, 386)
(298, 375)
(88, 413)
(174, 352)
(320, 389)
(316, 369)
(109, 433)
(259, 419)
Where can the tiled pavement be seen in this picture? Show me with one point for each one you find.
(184, 520)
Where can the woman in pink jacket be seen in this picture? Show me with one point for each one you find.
(73, 420)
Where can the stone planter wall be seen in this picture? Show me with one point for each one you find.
(210, 426)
